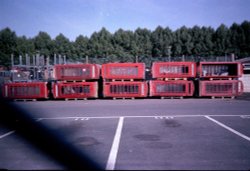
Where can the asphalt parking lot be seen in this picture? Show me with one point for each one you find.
(155, 134)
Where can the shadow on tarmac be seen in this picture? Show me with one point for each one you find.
(244, 96)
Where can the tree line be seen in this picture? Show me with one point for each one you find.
(125, 45)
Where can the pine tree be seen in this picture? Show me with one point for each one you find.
(8, 42)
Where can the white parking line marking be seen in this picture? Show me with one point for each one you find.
(115, 146)
(8, 133)
(84, 119)
(228, 128)
(152, 116)
(245, 117)
(164, 117)
(75, 118)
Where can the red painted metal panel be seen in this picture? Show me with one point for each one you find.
(75, 90)
(125, 89)
(123, 71)
(77, 72)
(171, 88)
(30, 90)
(220, 69)
(173, 69)
(221, 88)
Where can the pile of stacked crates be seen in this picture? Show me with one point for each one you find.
(76, 81)
(124, 80)
(22, 88)
(172, 79)
(220, 79)
(25, 91)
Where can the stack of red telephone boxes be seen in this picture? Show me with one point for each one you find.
(25, 90)
(76, 81)
(220, 79)
(171, 79)
(124, 80)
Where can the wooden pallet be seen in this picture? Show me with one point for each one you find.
(74, 81)
(211, 79)
(123, 98)
(168, 79)
(70, 99)
(172, 97)
(24, 100)
(223, 97)
(115, 80)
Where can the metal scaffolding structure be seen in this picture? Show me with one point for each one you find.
(34, 68)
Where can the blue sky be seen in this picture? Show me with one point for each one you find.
(75, 17)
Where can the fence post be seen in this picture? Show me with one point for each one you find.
(87, 59)
(233, 57)
(20, 60)
(12, 60)
(54, 59)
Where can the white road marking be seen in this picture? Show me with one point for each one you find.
(84, 119)
(152, 116)
(245, 117)
(76, 118)
(228, 128)
(5, 135)
(115, 146)
(164, 117)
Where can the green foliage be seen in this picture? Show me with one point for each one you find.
(24, 46)
(8, 43)
(62, 45)
(161, 39)
(222, 41)
(245, 46)
(125, 45)
(207, 43)
(43, 44)
(81, 46)
(100, 44)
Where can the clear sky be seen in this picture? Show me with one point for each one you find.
(75, 17)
